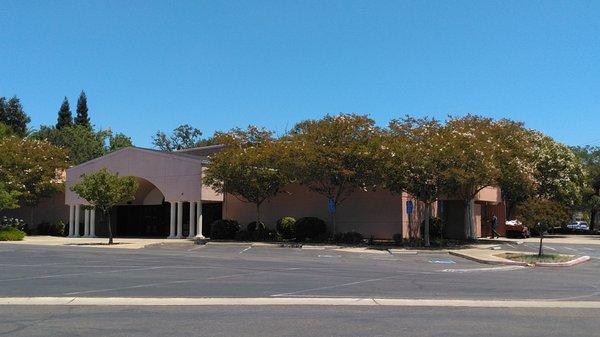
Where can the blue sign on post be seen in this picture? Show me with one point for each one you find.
(409, 207)
(331, 206)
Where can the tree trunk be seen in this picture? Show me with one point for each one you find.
(257, 215)
(593, 219)
(110, 235)
(541, 251)
(426, 227)
(469, 224)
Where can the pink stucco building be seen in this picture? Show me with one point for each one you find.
(173, 202)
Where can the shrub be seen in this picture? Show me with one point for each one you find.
(351, 238)
(243, 236)
(6, 222)
(309, 228)
(11, 234)
(398, 239)
(254, 226)
(286, 227)
(57, 228)
(224, 229)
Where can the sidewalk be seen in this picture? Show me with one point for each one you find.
(120, 243)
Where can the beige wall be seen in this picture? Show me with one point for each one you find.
(177, 176)
(47, 211)
(376, 213)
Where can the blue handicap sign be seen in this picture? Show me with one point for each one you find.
(331, 206)
(409, 206)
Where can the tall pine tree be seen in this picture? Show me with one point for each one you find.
(82, 117)
(65, 118)
(13, 115)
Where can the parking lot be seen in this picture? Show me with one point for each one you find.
(247, 271)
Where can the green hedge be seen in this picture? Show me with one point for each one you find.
(11, 234)
(224, 229)
(286, 227)
(310, 228)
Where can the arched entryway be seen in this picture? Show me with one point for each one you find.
(146, 216)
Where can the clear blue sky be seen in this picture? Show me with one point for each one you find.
(149, 65)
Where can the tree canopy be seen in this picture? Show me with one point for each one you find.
(65, 117)
(82, 118)
(184, 136)
(31, 167)
(103, 190)
(13, 115)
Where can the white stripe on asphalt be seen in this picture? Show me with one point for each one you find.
(296, 301)
(245, 250)
(503, 268)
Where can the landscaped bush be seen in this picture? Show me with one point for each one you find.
(310, 228)
(56, 228)
(398, 239)
(351, 238)
(6, 222)
(254, 226)
(224, 229)
(11, 234)
(286, 227)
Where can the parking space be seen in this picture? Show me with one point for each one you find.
(243, 270)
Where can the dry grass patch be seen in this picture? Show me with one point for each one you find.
(532, 258)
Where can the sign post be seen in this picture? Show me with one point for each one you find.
(409, 210)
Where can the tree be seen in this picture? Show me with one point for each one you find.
(82, 143)
(414, 161)
(103, 190)
(13, 115)
(467, 148)
(5, 131)
(82, 118)
(590, 158)
(31, 167)
(335, 156)
(8, 198)
(248, 171)
(65, 118)
(184, 137)
(118, 141)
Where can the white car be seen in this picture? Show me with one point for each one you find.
(578, 226)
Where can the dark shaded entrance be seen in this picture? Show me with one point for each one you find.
(142, 220)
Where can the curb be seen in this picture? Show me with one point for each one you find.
(492, 262)
(574, 262)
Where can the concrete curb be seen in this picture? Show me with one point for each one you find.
(574, 262)
(492, 262)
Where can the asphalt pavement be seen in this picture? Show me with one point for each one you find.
(246, 271)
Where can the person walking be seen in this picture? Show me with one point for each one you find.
(493, 225)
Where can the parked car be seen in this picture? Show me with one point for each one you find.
(578, 226)
(515, 228)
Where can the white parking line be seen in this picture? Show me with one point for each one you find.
(295, 301)
(245, 250)
(486, 269)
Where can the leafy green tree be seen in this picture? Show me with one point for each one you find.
(534, 210)
(183, 137)
(65, 118)
(31, 167)
(414, 162)
(82, 118)
(8, 198)
(248, 169)
(5, 131)
(467, 147)
(103, 190)
(118, 141)
(13, 115)
(590, 158)
(81, 142)
(335, 156)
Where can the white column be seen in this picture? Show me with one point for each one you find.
(92, 223)
(77, 213)
(192, 220)
(199, 219)
(86, 223)
(179, 220)
(172, 223)
(71, 220)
